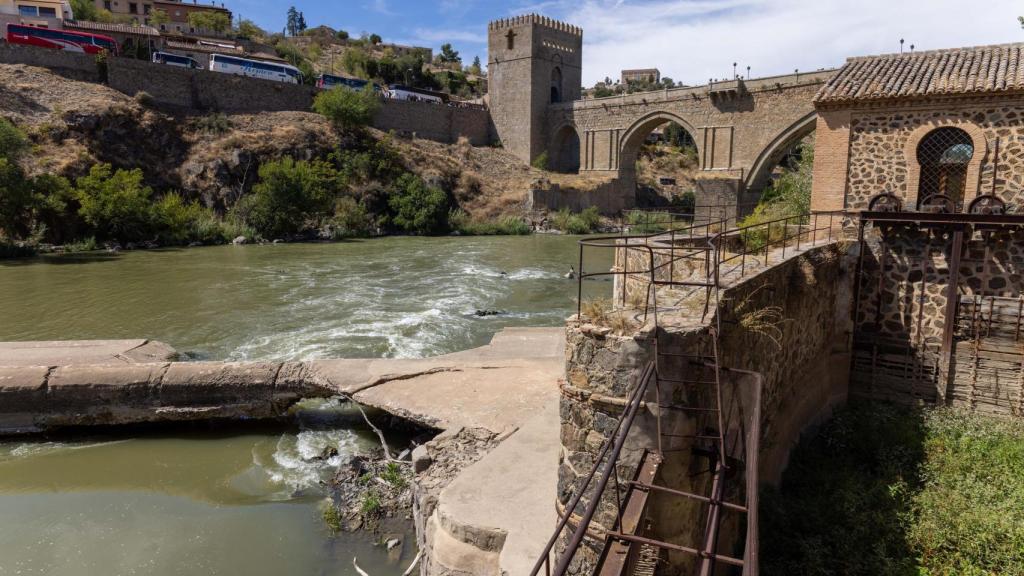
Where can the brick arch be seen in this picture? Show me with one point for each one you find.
(973, 185)
(766, 161)
(635, 135)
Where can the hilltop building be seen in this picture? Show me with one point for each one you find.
(45, 13)
(177, 11)
(641, 76)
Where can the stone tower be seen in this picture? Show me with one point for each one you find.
(532, 63)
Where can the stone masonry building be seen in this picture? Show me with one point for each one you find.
(929, 148)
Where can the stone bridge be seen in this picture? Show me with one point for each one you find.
(742, 129)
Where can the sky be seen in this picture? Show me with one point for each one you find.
(690, 41)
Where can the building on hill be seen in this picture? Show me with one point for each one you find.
(45, 13)
(641, 76)
(928, 147)
(177, 11)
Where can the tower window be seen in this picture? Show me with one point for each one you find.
(511, 37)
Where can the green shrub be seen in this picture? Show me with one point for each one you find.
(215, 123)
(115, 204)
(370, 159)
(541, 161)
(392, 474)
(418, 208)
(13, 142)
(178, 222)
(350, 220)
(585, 222)
(289, 195)
(85, 245)
(347, 109)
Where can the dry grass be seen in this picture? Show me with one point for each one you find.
(601, 312)
(765, 321)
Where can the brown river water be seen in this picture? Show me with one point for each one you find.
(244, 500)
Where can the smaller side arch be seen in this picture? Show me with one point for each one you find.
(766, 161)
(564, 153)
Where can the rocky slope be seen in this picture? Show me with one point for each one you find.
(215, 158)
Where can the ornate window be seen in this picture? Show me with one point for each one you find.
(943, 155)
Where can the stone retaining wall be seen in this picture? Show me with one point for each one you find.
(803, 359)
(70, 64)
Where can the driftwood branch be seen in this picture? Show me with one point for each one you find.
(380, 434)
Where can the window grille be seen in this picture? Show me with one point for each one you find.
(943, 156)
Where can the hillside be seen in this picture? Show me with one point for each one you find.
(215, 158)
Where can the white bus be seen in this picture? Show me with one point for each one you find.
(175, 60)
(255, 68)
(399, 92)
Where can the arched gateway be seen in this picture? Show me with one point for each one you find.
(741, 128)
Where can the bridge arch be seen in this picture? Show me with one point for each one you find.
(564, 152)
(636, 134)
(782, 144)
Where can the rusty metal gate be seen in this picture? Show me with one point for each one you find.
(988, 375)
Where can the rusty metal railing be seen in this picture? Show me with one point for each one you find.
(714, 246)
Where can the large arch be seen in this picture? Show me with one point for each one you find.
(564, 152)
(635, 136)
(782, 144)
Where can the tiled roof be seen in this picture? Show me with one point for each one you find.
(115, 28)
(199, 47)
(973, 70)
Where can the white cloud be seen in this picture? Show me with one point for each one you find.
(470, 35)
(694, 40)
(380, 7)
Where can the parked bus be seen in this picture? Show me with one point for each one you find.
(175, 60)
(400, 92)
(255, 68)
(328, 81)
(60, 39)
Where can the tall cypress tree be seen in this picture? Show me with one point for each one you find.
(293, 21)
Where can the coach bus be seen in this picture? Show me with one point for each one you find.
(399, 92)
(255, 68)
(175, 60)
(60, 39)
(328, 81)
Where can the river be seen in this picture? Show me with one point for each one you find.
(244, 500)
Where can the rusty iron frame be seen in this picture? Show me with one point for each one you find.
(708, 241)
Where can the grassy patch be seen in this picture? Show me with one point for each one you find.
(585, 222)
(371, 503)
(461, 222)
(883, 490)
(392, 474)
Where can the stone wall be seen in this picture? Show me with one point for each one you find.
(202, 90)
(902, 306)
(803, 359)
(607, 197)
(435, 121)
(864, 151)
(70, 64)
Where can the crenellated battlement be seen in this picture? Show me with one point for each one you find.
(535, 19)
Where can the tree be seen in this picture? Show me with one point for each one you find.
(417, 207)
(83, 10)
(114, 204)
(347, 109)
(375, 39)
(289, 195)
(209, 20)
(448, 55)
(341, 35)
(300, 23)
(159, 17)
(248, 29)
(292, 27)
(475, 67)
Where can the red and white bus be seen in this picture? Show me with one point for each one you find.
(60, 39)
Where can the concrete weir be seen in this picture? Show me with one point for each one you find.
(487, 511)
